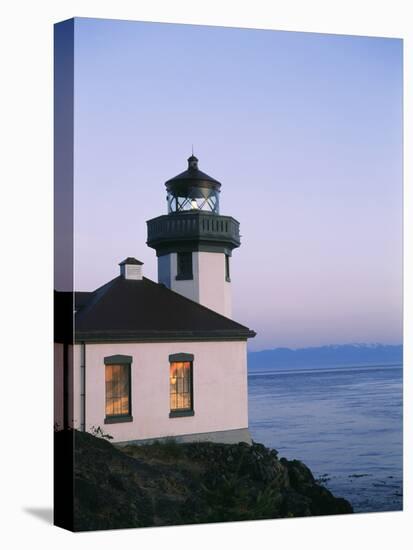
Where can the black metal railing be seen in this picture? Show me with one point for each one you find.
(197, 225)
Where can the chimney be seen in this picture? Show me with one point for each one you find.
(131, 269)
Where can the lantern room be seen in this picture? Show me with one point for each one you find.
(193, 190)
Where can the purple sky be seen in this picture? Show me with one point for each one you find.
(303, 130)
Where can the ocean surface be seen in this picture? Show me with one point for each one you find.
(345, 423)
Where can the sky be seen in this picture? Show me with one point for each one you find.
(303, 130)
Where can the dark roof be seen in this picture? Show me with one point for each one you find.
(81, 298)
(129, 310)
(64, 304)
(131, 261)
(192, 174)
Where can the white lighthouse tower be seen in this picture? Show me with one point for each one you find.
(194, 242)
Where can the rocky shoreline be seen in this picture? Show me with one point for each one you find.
(181, 483)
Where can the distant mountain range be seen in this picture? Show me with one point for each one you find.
(333, 355)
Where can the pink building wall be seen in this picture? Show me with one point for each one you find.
(219, 382)
(208, 285)
(214, 290)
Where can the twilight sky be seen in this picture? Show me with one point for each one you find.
(303, 130)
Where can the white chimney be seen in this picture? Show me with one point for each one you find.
(131, 269)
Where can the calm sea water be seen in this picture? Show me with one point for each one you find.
(345, 423)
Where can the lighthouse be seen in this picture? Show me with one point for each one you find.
(155, 360)
(194, 242)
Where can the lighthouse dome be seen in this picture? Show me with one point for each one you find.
(193, 190)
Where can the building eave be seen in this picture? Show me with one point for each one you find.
(162, 336)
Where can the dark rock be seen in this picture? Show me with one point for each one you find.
(172, 484)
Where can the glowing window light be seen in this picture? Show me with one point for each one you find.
(180, 379)
(117, 381)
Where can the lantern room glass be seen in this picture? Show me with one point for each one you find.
(194, 198)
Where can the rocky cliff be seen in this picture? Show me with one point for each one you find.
(174, 483)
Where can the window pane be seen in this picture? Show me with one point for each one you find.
(117, 381)
(109, 371)
(185, 264)
(180, 385)
(124, 405)
(227, 272)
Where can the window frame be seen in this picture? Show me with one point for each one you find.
(120, 360)
(184, 275)
(182, 358)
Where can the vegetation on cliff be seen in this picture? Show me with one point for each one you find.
(174, 484)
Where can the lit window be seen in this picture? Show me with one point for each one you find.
(118, 389)
(181, 386)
